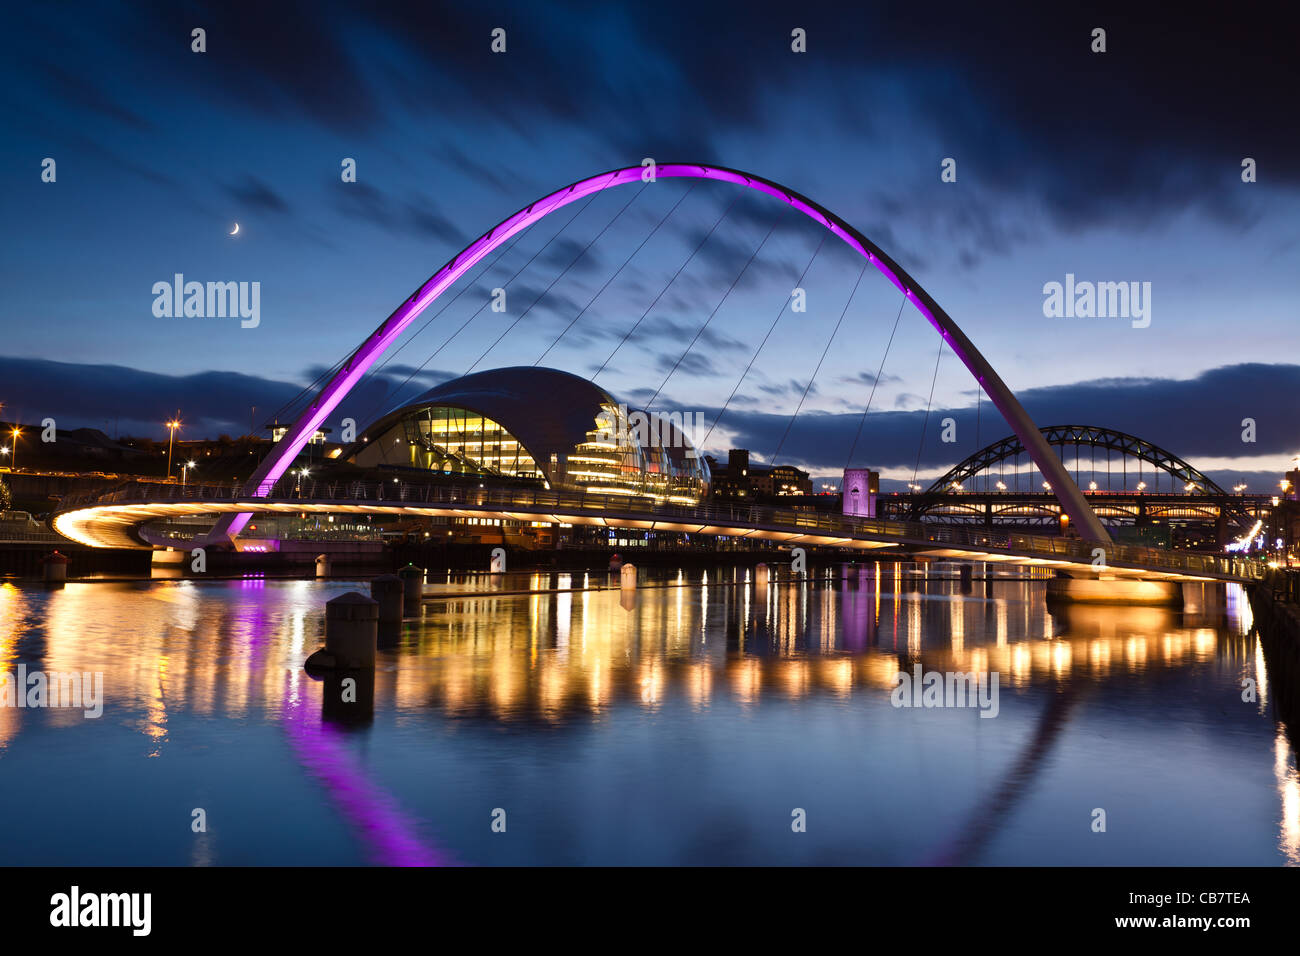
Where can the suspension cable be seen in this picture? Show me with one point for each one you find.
(700, 331)
(875, 382)
(770, 329)
(825, 352)
(617, 271)
(308, 388)
(671, 280)
(391, 391)
(928, 402)
(546, 245)
(562, 274)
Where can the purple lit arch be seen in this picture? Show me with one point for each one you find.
(287, 449)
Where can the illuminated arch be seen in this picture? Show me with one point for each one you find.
(287, 449)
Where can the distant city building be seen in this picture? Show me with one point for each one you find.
(278, 431)
(740, 479)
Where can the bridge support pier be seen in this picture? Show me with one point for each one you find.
(351, 634)
(388, 592)
(412, 590)
(1115, 591)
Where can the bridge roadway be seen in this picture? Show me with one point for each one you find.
(114, 520)
(976, 507)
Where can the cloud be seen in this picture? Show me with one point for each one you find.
(421, 216)
(792, 387)
(1195, 418)
(91, 97)
(254, 193)
(692, 363)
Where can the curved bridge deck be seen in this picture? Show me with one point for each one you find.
(112, 521)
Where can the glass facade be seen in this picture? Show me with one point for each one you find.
(459, 441)
(615, 457)
(620, 457)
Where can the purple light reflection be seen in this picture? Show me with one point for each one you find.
(389, 834)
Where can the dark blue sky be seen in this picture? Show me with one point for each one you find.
(1122, 166)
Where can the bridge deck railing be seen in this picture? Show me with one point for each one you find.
(289, 489)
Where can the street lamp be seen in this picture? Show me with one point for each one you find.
(1142, 485)
(1002, 486)
(1092, 486)
(14, 461)
(185, 470)
(171, 427)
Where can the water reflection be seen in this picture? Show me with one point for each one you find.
(711, 655)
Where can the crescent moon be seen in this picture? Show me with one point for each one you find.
(235, 230)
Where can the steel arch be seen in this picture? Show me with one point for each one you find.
(287, 449)
(1093, 436)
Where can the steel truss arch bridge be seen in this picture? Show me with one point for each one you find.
(1195, 484)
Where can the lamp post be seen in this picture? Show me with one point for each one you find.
(13, 462)
(171, 435)
(185, 468)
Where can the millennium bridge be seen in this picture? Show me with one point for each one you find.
(118, 518)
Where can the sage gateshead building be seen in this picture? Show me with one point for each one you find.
(537, 424)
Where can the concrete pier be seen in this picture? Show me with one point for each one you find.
(54, 568)
(388, 592)
(412, 579)
(351, 634)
